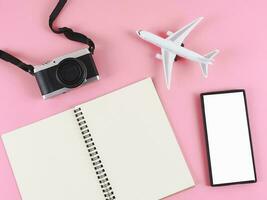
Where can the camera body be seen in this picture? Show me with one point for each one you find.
(65, 73)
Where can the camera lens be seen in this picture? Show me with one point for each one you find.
(71, 72)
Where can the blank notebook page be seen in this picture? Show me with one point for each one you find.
(132, 135)
(137, 145)
(50, 162)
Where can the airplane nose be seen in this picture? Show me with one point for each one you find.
(139, 32)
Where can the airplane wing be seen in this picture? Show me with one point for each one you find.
(168, 60)
(182, 33)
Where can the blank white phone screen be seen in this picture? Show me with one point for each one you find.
(228, 138)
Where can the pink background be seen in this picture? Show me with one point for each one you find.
(237, 27)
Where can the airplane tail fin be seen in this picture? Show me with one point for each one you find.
(204, 66)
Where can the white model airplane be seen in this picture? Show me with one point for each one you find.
(173, 46)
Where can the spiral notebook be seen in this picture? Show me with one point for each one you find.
(119, 146)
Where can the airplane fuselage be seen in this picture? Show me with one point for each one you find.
(172, 47)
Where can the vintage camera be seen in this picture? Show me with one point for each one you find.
(65, 73)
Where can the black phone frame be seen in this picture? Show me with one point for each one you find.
(207, 141)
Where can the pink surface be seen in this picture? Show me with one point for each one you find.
(238, 28)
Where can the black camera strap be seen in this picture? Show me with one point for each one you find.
(15, 61)
(69, 33)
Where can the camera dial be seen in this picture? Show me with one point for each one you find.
(71, 72)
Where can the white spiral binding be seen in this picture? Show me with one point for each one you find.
(95, 158)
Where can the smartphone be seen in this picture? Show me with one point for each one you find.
(228, 137)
